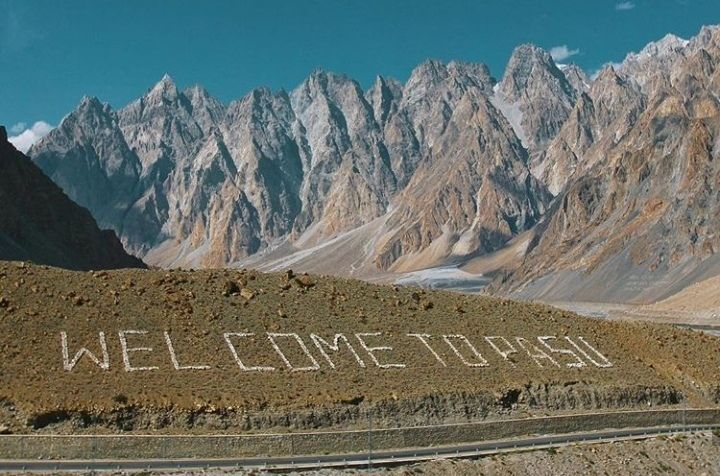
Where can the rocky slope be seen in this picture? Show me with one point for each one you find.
(38, 222)
(702, 296)
(637, 172)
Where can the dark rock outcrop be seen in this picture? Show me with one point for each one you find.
(39, 223)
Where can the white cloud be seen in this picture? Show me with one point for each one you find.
(624, 6)
(17, 128)
(24, 139)
(562, 52)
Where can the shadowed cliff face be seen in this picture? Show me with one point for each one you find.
(39, 223)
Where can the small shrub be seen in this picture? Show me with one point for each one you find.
(120, 398)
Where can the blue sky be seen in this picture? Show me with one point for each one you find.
(52, 52)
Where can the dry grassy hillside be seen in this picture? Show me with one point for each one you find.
(237, 350)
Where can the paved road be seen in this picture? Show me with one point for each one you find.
(383, 457)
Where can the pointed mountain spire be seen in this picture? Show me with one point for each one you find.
(165, 88)
(527, 62)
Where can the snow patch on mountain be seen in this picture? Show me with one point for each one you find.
(511, 112)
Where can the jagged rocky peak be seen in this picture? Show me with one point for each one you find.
(576, 76)
(345, 148)
(429, 71)
(694, 71)
(478, 73)
(431, 74)
(535, 96)
(387, 85)
(653, 62)
(432, 93)
(261, 119)
(472, 198)
(423, 78)
(640, 207)
(259, 108)
(667, 48)
(206, 110)
(162, 127)
(90, 112)
(529, 67)
(165, 88)
(201, 97)
(667, 45)
(708, 38)
(324, 83)
(163, 99)
(330, 99)
(92, 124)
(89, 102)
(600, 117)
(87, 115)
(607, 73)
(607, 83)
(255, 98)
(197, 93)
(384, 97)
(615, 96)
(240, 108)
(88, 157)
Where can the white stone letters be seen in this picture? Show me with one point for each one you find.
(481, 362)
(371, 350)
(70, 364)
(535, 352)
(578, 361)
(321, 343)
(173, 356)
(126, 350)
(509, 349)
(424, 339)
(274, 335)
(547, 352)
(240, 363)
(605, 362)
